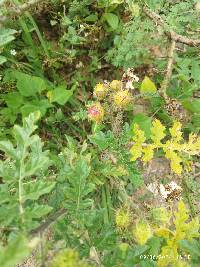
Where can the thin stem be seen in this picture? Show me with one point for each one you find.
(169, 68)
(188, 196)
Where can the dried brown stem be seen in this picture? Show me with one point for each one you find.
(168, 74)
(50, 220)
(170, 33)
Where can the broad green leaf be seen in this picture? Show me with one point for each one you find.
(29, 85)
(112, 20)
(92, 18)
(13, 100)
(192, 105)
(14, 252)
(35, 105)
(2, 59)
(34, 190)
(144, 122)
(59, 95)
(147, 87)
(6, 36)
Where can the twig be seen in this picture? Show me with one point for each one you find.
(50, 220)
(169, 68)
(170, 33)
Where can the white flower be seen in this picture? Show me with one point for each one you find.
(163, 191)
(13, 52)
(129, 85)
(153, 188)
(136, 78)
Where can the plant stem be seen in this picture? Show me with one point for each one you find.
(186, 189)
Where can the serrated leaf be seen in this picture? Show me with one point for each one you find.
(37, 212)
(148, 87)
(59, 95)
(34, 190)
(112, 20)
(8, 148)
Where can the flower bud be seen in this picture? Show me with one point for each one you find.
(96, 112)
(122, 98)
(100, 91)
(116, 85)
(122, 218)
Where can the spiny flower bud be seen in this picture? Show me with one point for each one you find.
(116, 85)
(100, 91)
(142, 232)
(122, 218)
(122, 98)
(96, 112)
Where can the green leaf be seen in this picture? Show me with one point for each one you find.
(7, 147)
(112, 20)
(193, 247)
(91, 18)
(147, 87)
(6, 36)
(29, 85)
(14, 252)
(35, 105)
(34, 190)
(14, 100)
(2, 59)
(192, 105)
(144, 122)
(37, 212)
(60, 95)
(100, 140)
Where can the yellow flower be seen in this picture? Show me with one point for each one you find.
(100, 91)
(142, 232)
(122, 218)
(96, 112)
(122, 98)
(116, 85)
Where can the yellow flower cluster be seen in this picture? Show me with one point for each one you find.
(111, 93)
(122, 218)
(175, 149)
